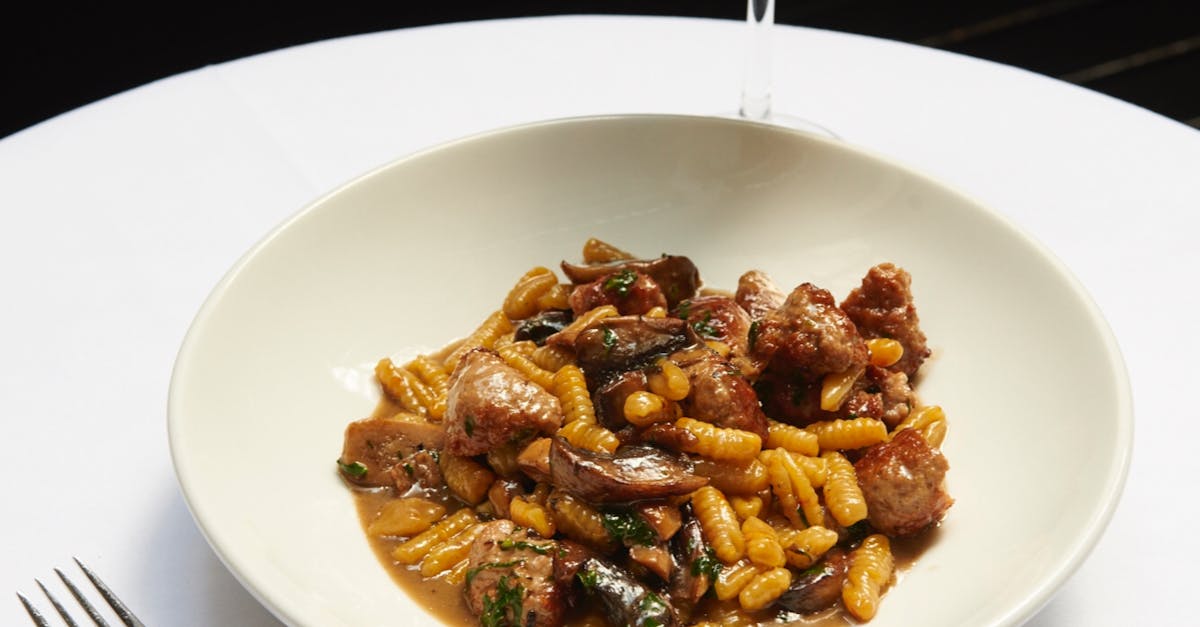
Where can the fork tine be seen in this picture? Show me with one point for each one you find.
(57, 606)
(37, 617)
(87, 607)
(120, 608)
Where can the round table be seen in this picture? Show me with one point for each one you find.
(117, 219)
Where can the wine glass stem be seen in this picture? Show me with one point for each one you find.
(756, 77)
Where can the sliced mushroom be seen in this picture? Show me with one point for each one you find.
(675, 274)
(627, 342)
(542, 326)
(626, 600)
(695, 563)
(819, 587)
(633, 473)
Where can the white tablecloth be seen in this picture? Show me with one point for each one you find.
(116, 219)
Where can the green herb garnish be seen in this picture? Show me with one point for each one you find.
(408, 469)
(355, 469)
(752, 336)
(509, 544)
(610, 339)
(651, 606)
(684, 309)
(620, 282)
(589, 579)
(705, 327)
(707, 564)
(469, 425)
(628, 527)
(475, 571)
(503, 609)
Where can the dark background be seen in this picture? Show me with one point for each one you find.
(56, 58)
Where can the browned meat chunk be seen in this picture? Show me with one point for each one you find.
(491, 403)
(809, 335)
(372, 446)
(676, 275)
(511, 578)
(720, 318)
(418, 470)
(879, 393)
(758, 294)
(630, 291)
(883, 307)
(633, 473)
(719, 393)
(902, 482)
(627, 342)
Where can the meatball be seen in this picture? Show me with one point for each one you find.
(903, 484)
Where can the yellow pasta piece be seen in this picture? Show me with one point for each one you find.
(843, 497)
(713, 442)
(571, 389)
(599, 251)
(515, 356)
(579, 521)
(552, 357)
(468, 479)
(406, 517)
(935, 433)
(532, 515)
(669, 381)
(797, 500)
(733, 578)
(656, 311)
(590, 436)
(732, 477)
(849, 434)
(445, 555)
(417, 547)
(397, 384)
(762, 545)
(805, 547)
(521, 301)
(588, 318)
(746, 506)
(920, 418)
(718, 347)
(884, 352)
(484, 336)
(718, 524)
(541, 492)
(765, 588)
(814, 467)
(871, 566)
(643, 409)
(836, 386)
(458, 574)
(792, 438)
(436, 378)
(557, 297)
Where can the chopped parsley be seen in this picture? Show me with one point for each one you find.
(651, 607)
(628, 527)
(355, 469)
(821, 568)
(705, 327)
(408, 469)
(475, 571)
(610, 339)
(469, 425)
(684, 309)
(509, 544)
(752, 336)
(589, 579)
(620, 282)
(503, 609)
(707, 564)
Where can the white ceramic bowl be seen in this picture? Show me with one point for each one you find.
(417, 253)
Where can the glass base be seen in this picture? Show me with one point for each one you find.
(788, 121)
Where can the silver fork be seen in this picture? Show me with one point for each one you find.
(120, 608)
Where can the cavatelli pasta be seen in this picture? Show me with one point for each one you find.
(571, 389)
(884, 352)
(532, 515)
(587, 318)
(599, 251)
(746, 506)
(733, 578)
(764, 588)
(718, 524)
(920, 418)
(445, 555)
(669, 381)
(935, 433)
(762, 544)
(871, 566)
(836, 386)
(557, 297)
(467, 479)
(458, 574)
(552, 357)
(397, 384)
(579, 521)
(406, 517)
(843, 497)
(417, 547)
(804, 547)
(713, 442)
(521, 301)
(433, 375)
(642, 409)
(835, 435)
(792, 438)
(797, 500)
(590, 436)
(516, 356)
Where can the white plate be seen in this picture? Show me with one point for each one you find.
(417, 253)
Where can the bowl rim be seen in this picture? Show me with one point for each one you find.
(1099, 517)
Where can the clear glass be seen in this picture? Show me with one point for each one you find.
(757, 97)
